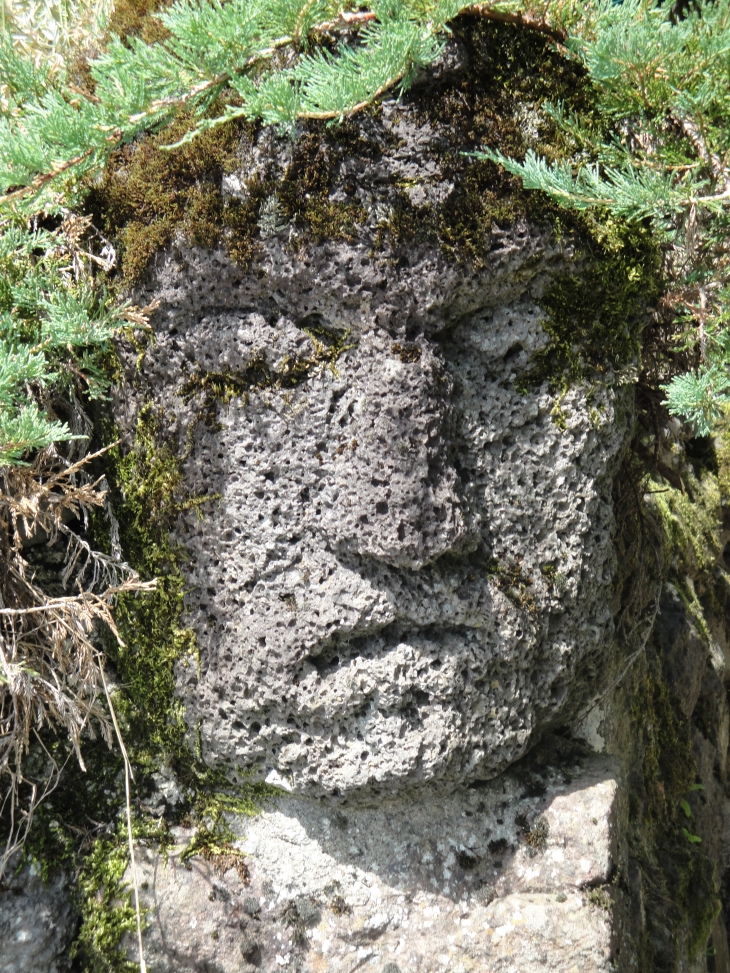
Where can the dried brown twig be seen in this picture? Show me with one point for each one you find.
(51, 672)
(530, 20)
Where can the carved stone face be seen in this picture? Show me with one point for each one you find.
(404, 575)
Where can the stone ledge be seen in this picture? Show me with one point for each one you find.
(472, 881)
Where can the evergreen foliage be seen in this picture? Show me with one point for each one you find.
(52, 319)
(49, 133)
(653, 147)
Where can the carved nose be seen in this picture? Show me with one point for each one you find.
(392, 492)
(407, 519)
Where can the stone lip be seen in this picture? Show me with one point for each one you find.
(428, 881)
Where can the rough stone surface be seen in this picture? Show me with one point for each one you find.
(495, 878)
(405, 575)
(400, 584)
(37, 923)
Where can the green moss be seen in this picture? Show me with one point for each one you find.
(407, 353)
(692, 524)
(148, 496)
(697, 892)
(147, 483)
(81, 826)
(722, 455)
(600, 898)
(668, 765)
(596, 313)
(84, 798)
(515, 584)
(211, 388)
(672, 533)
(147, 195)
(106, 900)
(667, 533)
(484, 104)
(678, 883)
(305, 190)
(107, 912)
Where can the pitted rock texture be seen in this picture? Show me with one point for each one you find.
(406, 573)
(508, 876)
(37, 922)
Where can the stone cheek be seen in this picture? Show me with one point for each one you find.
(408, 562)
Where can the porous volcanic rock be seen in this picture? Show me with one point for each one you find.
(512, 875)
(404, 573)
(37, 921)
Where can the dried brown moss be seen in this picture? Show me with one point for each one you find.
(496, 99)
(135, 18)
(148, 194)
(305, 191)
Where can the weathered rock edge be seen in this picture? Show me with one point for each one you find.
(512, 875)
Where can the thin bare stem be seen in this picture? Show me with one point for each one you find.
(128, 777)
(528, 21)
(50, 671)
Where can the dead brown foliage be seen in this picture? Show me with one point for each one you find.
(51, 670)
